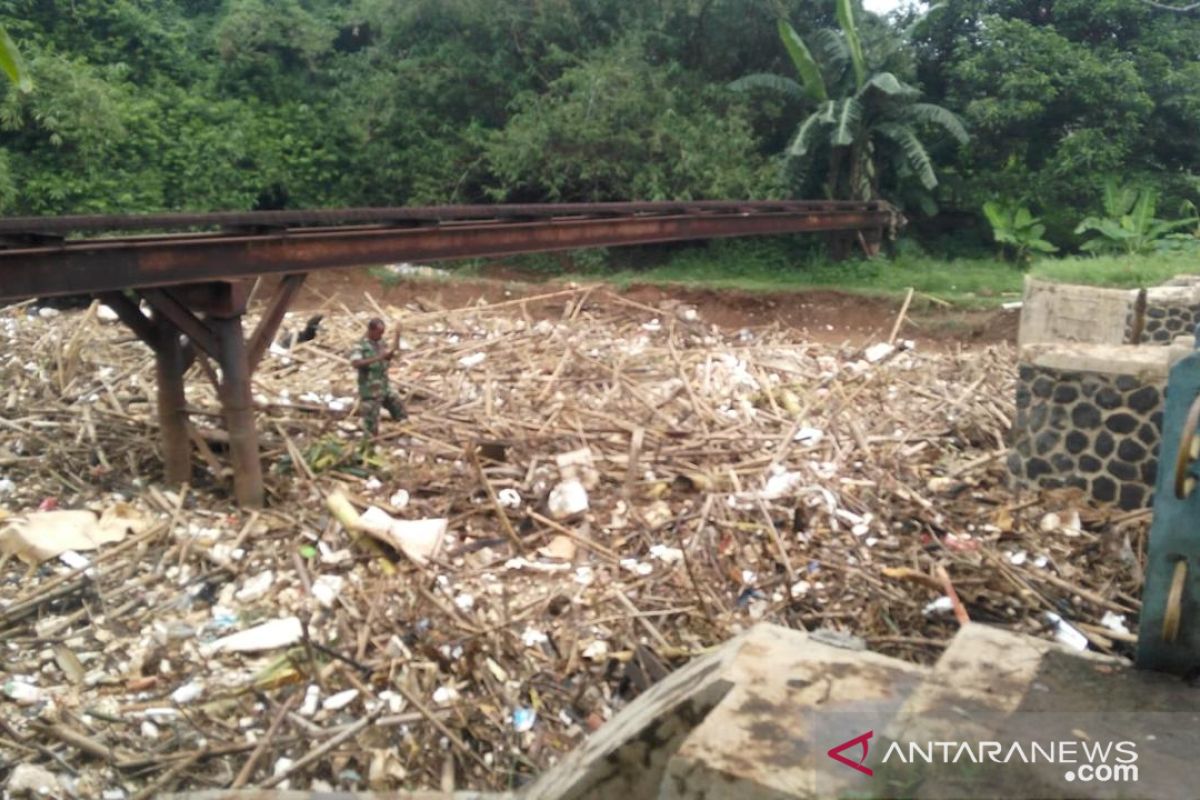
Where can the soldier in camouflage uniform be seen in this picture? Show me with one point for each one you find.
(371, 359)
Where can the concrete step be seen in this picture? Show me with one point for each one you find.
(753, 720)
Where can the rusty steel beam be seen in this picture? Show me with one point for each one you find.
(172, 406)
(65, 225)
(170, 308)
(129, 313)
(268, 324)
(99, 265)
(237, 406)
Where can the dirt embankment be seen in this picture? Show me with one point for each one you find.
(829, 317)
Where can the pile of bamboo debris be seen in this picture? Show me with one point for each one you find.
(589, 492)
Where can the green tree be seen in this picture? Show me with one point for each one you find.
(1059, 95)
(617, 127)
(865, 123)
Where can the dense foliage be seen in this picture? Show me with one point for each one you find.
(140, 105)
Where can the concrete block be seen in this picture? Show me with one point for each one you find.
(1054, 312)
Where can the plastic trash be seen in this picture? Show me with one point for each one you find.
(312, 698)
(444, 695)
(1114, 622)
(268, 636)
(942, 605)
(668, 555)
(523, 719)
(473, 360)
(1065, 632)
(636, 567)
(340, 700)
(30, 780)
(509, 498)
(809, 437)
(42, 535)
(255, 588)
(532, 637)
(22, 693)
(596, 650)
(780, 485)
(878, 352)
(187, 693)
(326, 589)
(419, 539)
(567, 499)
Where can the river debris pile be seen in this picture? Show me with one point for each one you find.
(589, 492)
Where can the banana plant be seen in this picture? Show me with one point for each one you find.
(1017, 231)
(1129, 224)
(11, 64)
(862, 121)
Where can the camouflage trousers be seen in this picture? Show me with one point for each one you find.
(370, 406)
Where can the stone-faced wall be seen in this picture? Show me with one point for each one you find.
(1164, 313)
(1092, 423)
(1163, 323)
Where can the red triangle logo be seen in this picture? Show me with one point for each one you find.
(836, 753)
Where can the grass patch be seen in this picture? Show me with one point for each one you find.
(763, 268)
(1125, 272)
(791, 265)
(964, 282)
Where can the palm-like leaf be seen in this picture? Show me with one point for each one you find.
(849, 114)
(806, 65)
(802, 142)
(845, 16)
(1143, 210)
(914, 151)
(834, 52)
(769, 82)
(931, 114)
(10, 62)
(1106, 227)
(915, 27)
(996, 215)
(1118, 199)
(889, 84)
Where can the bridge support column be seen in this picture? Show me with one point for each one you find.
(237, 403)
(172, 411)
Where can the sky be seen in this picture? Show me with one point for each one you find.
(881, 6)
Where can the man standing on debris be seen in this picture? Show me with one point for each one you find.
(371, 360)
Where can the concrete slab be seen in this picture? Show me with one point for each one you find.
(1148, 364)
(793, 699)
(992, 685)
